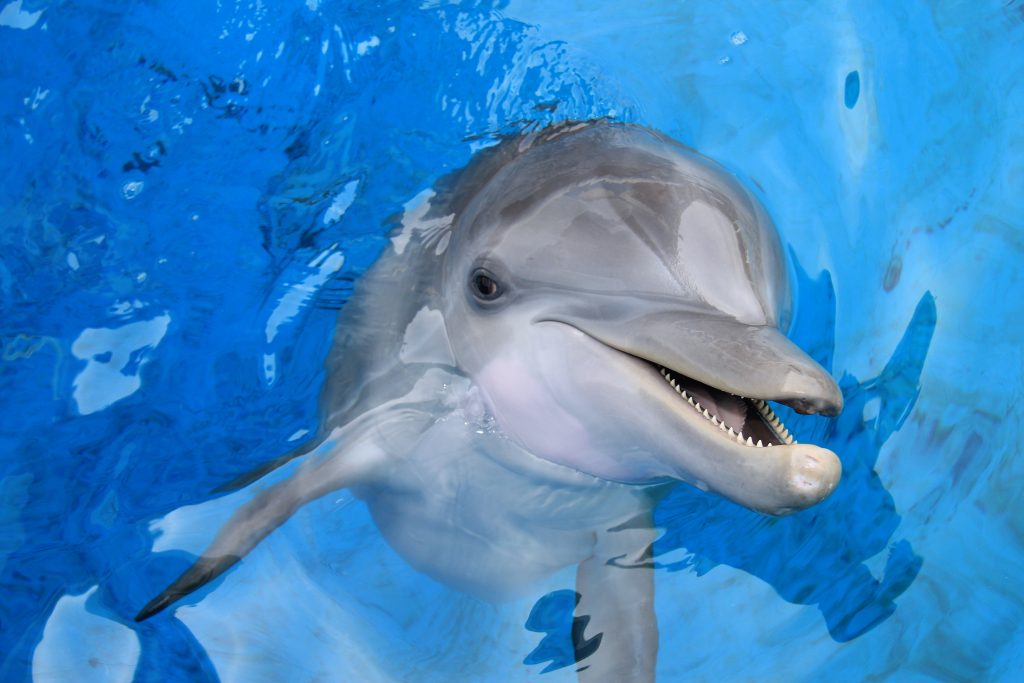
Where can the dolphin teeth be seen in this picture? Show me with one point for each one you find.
(774, 422)
(763, 408)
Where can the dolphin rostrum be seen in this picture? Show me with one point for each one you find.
(581, 317)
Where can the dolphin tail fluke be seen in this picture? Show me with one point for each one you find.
(241, 481)
(205, 570)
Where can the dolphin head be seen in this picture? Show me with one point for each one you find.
(618, 300)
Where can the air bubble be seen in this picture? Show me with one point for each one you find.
(132, 189)
(851, 89)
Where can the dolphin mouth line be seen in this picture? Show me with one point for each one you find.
(747, 421)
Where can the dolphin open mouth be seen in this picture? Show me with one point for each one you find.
(747, 421)
(726, 372)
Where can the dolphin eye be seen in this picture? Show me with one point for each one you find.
(484, 286)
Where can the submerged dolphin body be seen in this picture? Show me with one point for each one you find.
(580, 317)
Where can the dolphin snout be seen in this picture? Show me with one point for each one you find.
(816, 406)
(812, 391)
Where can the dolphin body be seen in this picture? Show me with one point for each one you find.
(583, 316)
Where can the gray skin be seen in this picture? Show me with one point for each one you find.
(497, 388)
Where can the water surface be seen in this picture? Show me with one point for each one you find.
(189, 191)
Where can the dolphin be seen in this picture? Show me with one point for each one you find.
(584, 316)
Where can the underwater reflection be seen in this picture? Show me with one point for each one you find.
(815, 557)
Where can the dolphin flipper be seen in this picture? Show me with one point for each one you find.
(205, 570)
(616, 588)
(243, 480)
(340, 467)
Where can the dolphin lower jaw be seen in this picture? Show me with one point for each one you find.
(745, 452)
(714, 445)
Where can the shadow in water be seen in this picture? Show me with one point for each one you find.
(817, 557)
(553, 615)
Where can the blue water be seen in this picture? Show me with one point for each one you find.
(190, 189)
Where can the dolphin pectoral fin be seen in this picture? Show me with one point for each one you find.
(616, 608)
(246, 528)
(271, 508)
(205, 570)
(241, 481)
